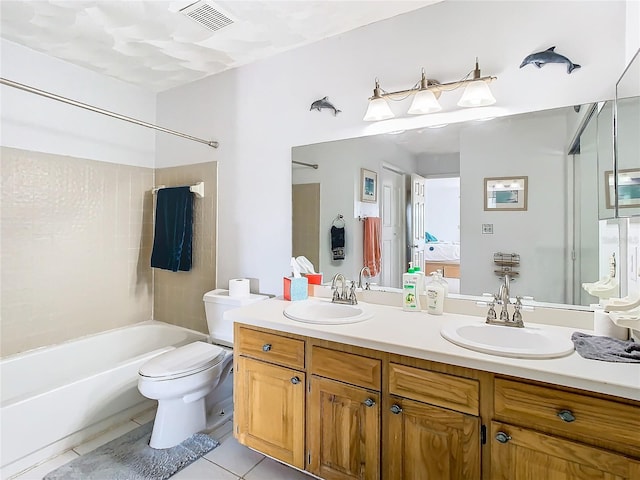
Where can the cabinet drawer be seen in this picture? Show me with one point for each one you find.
(441, 389)
(595, 421)
(270, 347)
(346, 367)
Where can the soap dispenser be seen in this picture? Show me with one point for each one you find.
(411, 283)
(435, 296)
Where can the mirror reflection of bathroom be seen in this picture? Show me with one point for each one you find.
(559, 155)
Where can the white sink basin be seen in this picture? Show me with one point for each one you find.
(326, 313)
(532, 341)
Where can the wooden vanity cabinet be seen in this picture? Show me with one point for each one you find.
(432, 426)
(554, 433)
(343, 412)
(522, 454)
(343, 415)
(269, 397)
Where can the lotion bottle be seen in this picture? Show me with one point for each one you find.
(435, 296)
(444, 283)
(410, 291)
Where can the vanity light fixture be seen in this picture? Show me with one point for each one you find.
(426, 93)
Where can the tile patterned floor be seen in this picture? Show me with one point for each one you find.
(229, 461)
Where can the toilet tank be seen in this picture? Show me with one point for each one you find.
(218, 301)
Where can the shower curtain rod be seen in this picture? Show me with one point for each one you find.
(75, 103)
(312, 165)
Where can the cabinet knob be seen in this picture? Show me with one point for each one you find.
(502, 437)
(266, 347)
(295, 380)
(566, 416)
(396, 409)
(369, 402)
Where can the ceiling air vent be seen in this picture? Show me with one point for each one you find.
(207, 15)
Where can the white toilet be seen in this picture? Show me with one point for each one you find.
(191, 380)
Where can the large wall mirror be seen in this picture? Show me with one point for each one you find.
(563, 238)
(627, 141)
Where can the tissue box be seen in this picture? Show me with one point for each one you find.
(314, 278)
(296, 288)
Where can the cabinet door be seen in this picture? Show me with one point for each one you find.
(430, 443)
(519, 454)
(343, 431)
(269, 409)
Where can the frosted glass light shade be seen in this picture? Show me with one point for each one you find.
(378, 109)
(477, 94)
(424, 102)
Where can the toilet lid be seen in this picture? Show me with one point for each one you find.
(191, 358)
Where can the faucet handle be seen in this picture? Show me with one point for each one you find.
(491, 314)
(517, 315)
(352, 294)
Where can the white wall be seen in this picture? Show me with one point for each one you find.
(439, 164)
(36, 123)
(536, 235)
(339, 177)
(258, 112)
(632, 29)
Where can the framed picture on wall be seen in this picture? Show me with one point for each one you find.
(628, 188)
(505, 193)
(368, 186)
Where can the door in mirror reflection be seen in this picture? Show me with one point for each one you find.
(417, 221)
(392, 213)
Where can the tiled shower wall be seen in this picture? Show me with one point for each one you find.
(178, 295)
(75, 245)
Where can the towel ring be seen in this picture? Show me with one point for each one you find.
(338, 222)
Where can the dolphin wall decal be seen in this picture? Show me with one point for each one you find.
(539, 59)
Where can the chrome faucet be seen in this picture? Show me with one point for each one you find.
(366, 287)
(503, 298)
(347, 296)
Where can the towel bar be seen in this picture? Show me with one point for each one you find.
(198, 189)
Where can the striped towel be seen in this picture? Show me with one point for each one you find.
(372, 245)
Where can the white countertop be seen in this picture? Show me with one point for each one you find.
(417, 334)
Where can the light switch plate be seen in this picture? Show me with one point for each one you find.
(487, 228)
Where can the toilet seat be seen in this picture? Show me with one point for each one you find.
(183, 361)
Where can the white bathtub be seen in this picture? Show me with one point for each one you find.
(50, 393)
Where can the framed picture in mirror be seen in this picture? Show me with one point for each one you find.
(628, 188)
(368, 186)
(505, 193)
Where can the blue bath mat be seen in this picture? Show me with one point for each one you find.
(130, 457)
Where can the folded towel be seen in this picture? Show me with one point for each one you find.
(372, 248)
(429, 238)
(337, 243)
(174, 229)
(605, 348)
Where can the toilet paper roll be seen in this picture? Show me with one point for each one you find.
(603, 325)
(239, 287)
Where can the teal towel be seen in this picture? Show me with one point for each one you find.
(173, 237)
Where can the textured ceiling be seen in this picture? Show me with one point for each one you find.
(152, 45)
